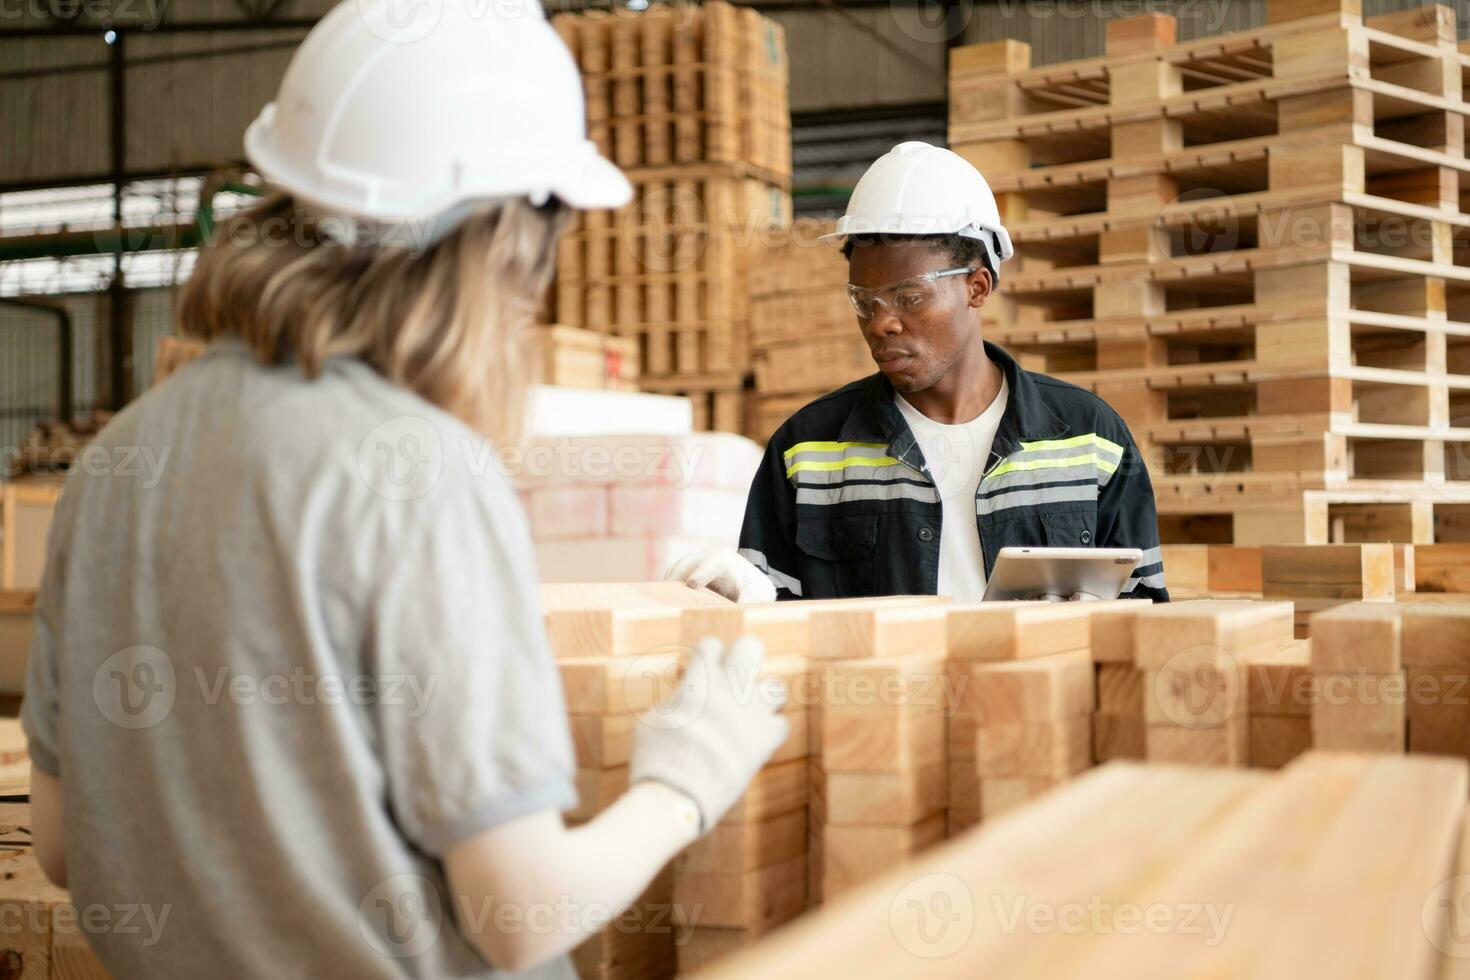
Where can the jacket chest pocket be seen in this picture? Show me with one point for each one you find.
(838, 555)
(1070, 529)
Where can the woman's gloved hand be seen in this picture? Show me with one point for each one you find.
(716, 731)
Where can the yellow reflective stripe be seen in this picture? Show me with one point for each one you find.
(838, 464)
(1020, 465)
(828, 447)
(1086, 439)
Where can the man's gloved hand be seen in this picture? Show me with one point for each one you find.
(725, 572)
(1074, 597)
(716, 731)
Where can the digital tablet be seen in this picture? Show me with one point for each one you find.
(1031, 573)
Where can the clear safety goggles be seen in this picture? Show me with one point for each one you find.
(899, 298)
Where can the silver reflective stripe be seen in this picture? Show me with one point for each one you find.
(1154, 581)
(885, 491)
(1031, 478)
(1028, 498)
(818, 478)
(1153, 556)
(780, 579)
(832, 455)
(1081, 449)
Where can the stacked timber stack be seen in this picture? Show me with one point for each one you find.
(1118, 727)
(1023, 698)
(1281, 698)
(692, 103)
(575, 358)
(618, 650)
(879, 786)
(1195, 659)
(804, 336)
(750, 875)
(1251, 246)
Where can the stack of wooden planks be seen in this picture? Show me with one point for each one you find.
(750, 875)
(1194, 657)
(1340, 864)
(1249, 245)
(575, 358)
(618, 650)
(691, 101)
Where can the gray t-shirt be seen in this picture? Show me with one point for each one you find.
(288, 652)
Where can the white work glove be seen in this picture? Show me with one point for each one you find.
(716, 731)
(1074, 597)
(725, 572)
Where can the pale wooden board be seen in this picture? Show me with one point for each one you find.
(739, 847)
(1090, 838)
(1325, 867)
(1041, 690)
(885, 799)
(1361, 636)
(1034, 749)
(763, 898)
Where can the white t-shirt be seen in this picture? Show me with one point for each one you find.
(956, 455)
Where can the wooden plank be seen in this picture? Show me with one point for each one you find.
(1359, 637)
(889, 799)
(1236, 627)
(1280, 681)
(1275, 740)
(734, 848)
(1111, 632)
(1051, 749)
(1119, 689)
(775, 790)
(881, 742)
(1436, 636)
(762, 898)
(1116, 736)
(1337, 571)
(853, 855)
(1041, 690)
(1088, 839)
(878, 630)
(1225, 744)
(1017, 631)
(618, 685)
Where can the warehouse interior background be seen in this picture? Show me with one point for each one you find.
(128, 114)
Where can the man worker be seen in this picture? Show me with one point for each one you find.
(912, 480)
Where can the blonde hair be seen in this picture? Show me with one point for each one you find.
(445, 322)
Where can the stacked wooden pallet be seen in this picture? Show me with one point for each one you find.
(575, 358)
(691, 102)
(1339, 865)
(804, 337)
(1251, 246)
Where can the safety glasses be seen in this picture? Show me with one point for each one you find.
(899, 298)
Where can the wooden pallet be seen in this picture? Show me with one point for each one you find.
(682, 84)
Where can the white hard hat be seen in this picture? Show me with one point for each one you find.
(920, 189)
(415, 118)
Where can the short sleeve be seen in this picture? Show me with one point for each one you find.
(476, 732)
(40, 708)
